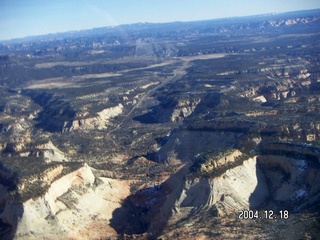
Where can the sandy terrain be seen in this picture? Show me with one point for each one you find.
(203, 57)
(64, 63)
(60, 82)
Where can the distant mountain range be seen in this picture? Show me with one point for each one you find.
(268, 21)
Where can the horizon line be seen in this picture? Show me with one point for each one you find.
(146, 22)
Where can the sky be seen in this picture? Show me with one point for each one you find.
(20, 18)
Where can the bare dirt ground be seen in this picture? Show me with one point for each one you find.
(203, 57)
(50, 83)
(75, 81)
(64, 63)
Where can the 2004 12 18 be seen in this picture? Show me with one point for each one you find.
(266, 214)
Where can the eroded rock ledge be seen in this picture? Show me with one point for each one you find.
(72, 206)
(59, 114)
(224, 185)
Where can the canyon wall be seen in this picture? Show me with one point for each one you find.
(75, 206)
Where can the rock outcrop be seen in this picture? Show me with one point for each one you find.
(182, 195)
(74, 206)
(171, 110)
(183, 109)
(59, 115)
(47, 150)
(223, 186)
(232, 190)
(99, 120)
(96, 122)
(241, 187)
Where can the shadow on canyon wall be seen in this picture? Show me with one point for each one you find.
(11, 207)
(148, 210)
(261, 193)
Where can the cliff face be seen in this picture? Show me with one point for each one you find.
(293, 174)
(173, 110)
(46, 150)
(296, 84)
(233, 190)
(177, 144)
(182, 195)
(184, 109)
(74, 206)
(265, 179)
(223, 186)
(285, 168)
(59, 115)
(97, 122)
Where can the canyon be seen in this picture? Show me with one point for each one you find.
(168, 133)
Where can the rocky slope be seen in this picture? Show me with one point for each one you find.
(100, 121)
(167, 132)
(234, 190)
(72, 206)
(47, 151)
(58, 115)
(222, 186)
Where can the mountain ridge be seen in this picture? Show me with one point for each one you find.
(104, 30)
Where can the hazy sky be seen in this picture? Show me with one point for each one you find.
(19, 18)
